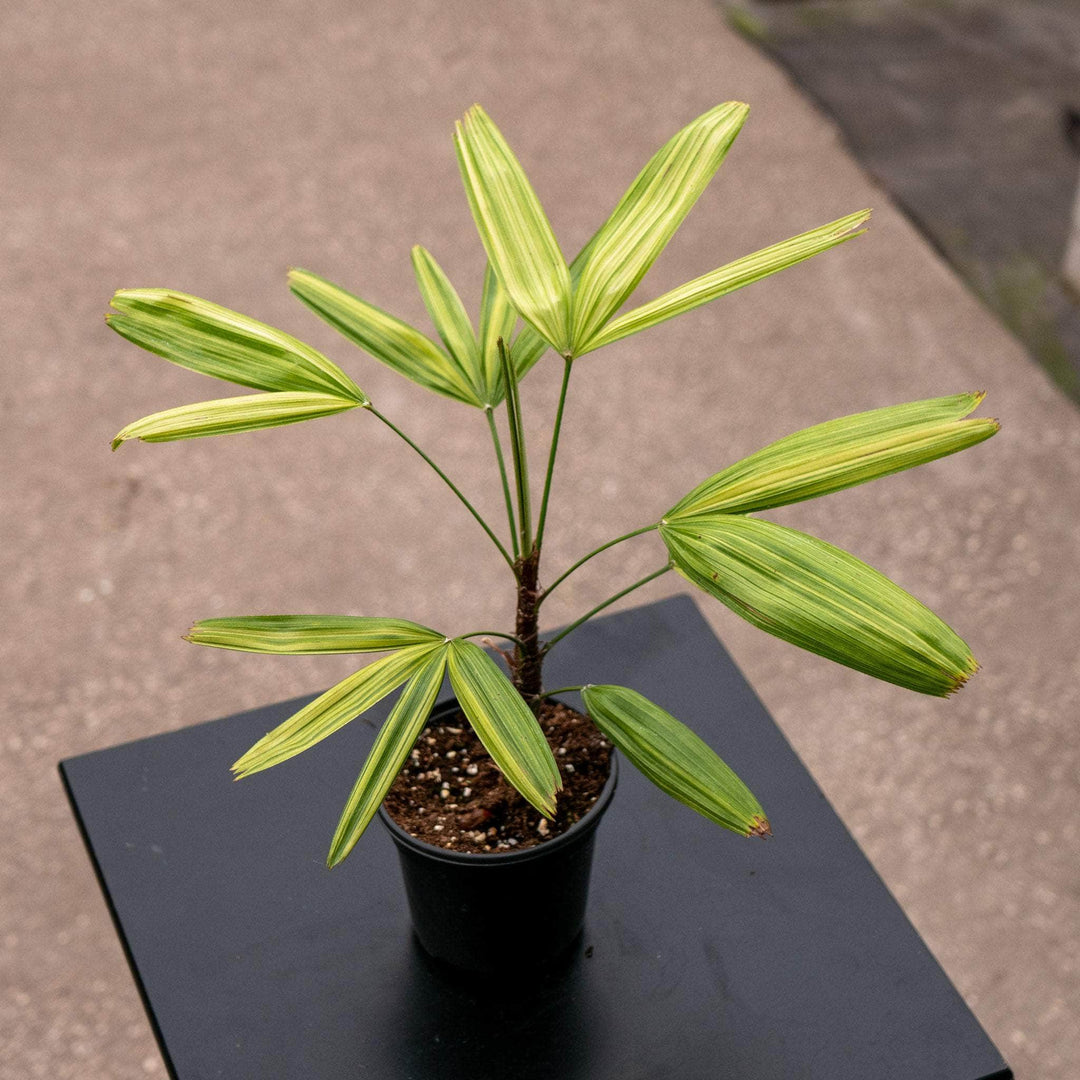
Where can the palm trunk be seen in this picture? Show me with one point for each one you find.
(527, 657)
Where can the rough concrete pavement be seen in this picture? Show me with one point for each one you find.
(208, 147)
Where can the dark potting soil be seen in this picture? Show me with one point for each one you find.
(450, 793)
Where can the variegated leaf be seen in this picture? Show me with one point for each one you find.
(726, 279)
(391, 341)
(334, 709)
(497, 319)
(648, 214)
(504, 724)
(514, 229)
(450, 318)
(294, 635)
(228, 416)
(819, 598)
(213, 340)
(839, 454)
(675, 759)
(388, 754)
(529, 346)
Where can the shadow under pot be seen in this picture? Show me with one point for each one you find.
(505, 912)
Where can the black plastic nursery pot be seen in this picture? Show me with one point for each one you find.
(504, 913)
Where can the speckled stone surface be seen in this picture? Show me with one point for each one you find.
(208, 147)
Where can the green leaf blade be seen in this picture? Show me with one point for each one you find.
(527, 349)
(388, 754)
(213, 340)
(676, 760)
(648, 215)
(819, 598)
(529, 346)
(333, 710)
(840, 454)
(514, 228)
(505, 725)
(391, 341)
(295, 635)
(450, 318)
(230, 416)
(728, 278)
(497, 320)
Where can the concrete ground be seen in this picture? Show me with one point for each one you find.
(208, 147)
(968, 113)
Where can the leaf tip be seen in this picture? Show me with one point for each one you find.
(960, 679)
(856, 225)
(117, 301)
(759, 826)
(977, 398)
(297, 277)
(241, 767)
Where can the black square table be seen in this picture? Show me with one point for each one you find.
(704, 956)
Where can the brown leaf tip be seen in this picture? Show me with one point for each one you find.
(960, 680)
(759, 826)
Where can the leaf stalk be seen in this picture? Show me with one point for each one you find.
(596, 551)
(600, 607)
(449, 483)
(490, 413)
(569, 362)
(517, 446)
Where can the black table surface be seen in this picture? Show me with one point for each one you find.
(705, 956)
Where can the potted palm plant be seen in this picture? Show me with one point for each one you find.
(790, 584)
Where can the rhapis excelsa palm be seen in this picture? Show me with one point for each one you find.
(786, 582)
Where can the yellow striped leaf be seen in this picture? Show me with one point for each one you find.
(450, 318)
(529, 346)
(294, 635)
(391, 341)
(213, 340)
(839, 454)
(388, 754)
(726, 279)
(675, 759)
(504, 724)
(648, 214)
(819, 598)
(334, 709)
(227, 416)
(497, 319)
(514, 229)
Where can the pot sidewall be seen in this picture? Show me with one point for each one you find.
(503, 912)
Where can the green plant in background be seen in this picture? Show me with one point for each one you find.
(789, 584)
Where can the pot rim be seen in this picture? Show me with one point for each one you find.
(580, 830)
